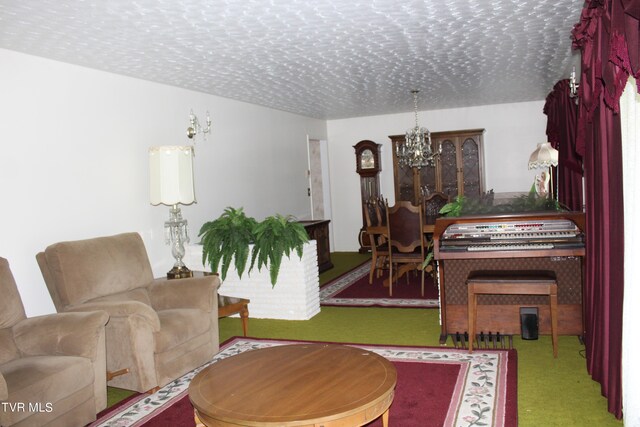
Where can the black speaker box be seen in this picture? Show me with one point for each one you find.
(529, 323)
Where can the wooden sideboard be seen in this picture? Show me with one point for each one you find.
(318, 230)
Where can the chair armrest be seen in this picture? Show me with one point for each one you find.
(4, 391)
(194, 292)
(70, 334)
(125, 308)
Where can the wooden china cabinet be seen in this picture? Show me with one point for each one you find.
(458, 170)
(368, 167)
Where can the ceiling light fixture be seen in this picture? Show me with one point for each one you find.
(417, 150)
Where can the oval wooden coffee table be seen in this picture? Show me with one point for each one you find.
(326, 385)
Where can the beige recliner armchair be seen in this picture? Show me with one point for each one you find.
(52, 367)
(158, 329)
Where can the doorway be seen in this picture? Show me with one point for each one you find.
(319, 190)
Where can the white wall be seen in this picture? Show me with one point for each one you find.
(74, 147)
(512, 132)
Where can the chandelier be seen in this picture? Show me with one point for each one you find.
(417, 150)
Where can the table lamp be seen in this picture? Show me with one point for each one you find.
(171, 184)
(545, 156)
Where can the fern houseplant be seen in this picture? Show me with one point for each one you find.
(276, 236)
(227, 239)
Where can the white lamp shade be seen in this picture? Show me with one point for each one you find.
(545, 156)
(171, 175)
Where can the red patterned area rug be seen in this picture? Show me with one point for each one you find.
(437, 386)
(353, 289)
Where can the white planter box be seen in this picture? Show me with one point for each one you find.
(295, 296)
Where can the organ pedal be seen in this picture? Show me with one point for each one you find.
(484, 340)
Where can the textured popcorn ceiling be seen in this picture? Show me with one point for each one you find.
(320, 58)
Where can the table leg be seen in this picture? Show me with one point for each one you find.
(553, 297)
(244, 316)
(197, 419)
(385, 418)
(472, 311)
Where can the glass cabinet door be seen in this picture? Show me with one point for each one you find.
(471, 168)
(449, 168)
(369, 187)
(405, 183)
(428, 183)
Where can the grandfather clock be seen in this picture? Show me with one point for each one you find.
(368, 167)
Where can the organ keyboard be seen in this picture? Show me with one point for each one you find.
(529, 241)
(560, 232)
(508, 247)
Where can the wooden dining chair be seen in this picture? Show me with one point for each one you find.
(376, 229)
(405, 241)
(431, 206)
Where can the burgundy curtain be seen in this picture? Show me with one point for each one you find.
(562, 118)
(607, 36)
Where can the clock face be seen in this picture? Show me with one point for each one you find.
(367, 160)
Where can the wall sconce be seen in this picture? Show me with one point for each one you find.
(573, 85)
(195, 127)
(171, 184)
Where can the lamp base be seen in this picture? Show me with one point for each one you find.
(179, 273)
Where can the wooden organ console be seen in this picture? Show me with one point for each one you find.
(528, 241)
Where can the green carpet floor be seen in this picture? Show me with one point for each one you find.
(551, 392)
